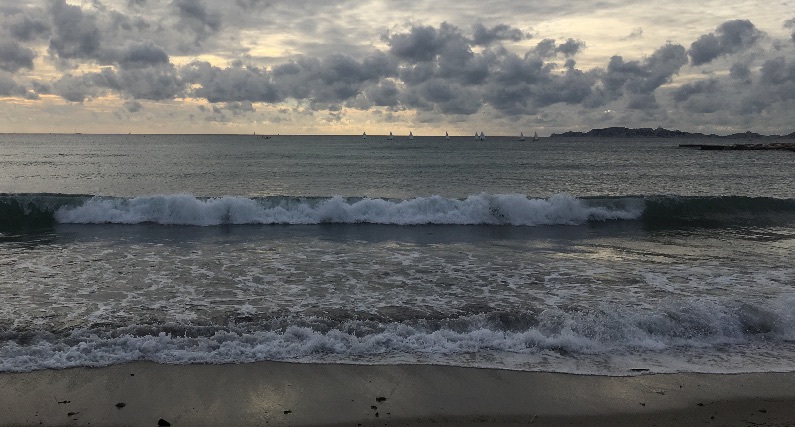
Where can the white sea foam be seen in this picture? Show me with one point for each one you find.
(510, 209)
(608, 343)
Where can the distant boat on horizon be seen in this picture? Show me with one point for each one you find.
(482, 136)
(390, 137)
(411, 135)
(364, 135)
(446, 135)
(535, 136)
(521, 137)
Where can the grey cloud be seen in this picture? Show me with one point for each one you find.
(740, 71)
(26, 25)
(142, 55)
(635, 34)
(9, 86)
(790, 23)
(41, 87)
(482, 36)
(548, 48)
(133, 106)
(421, 43)
(778, 72)
(75, 35)
(153, 83)
(642, 101)
(640, 78)
(76, 88)
(449, 98)
(239, 108)
(193, 15)
(684, 92)
(14, 57)
(230, 84)
(570, 47)
(384, 94)
(730, 37)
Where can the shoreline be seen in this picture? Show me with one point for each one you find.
(280, 393)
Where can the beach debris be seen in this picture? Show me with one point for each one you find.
(64, 401)
(700, 404)
(121, 405)
(69, 414)
(288, 412)
(163, 423)
(639, 369)
(380, 399)
(764, 411)
(376, 414)
(373, 407)
(642, 403)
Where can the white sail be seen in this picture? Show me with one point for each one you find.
(535, 136)
(390, 136)
(482, 136)
(521, 136)
(411, 135)
(446, 135)
(364, 135)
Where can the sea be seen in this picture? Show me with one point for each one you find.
(587, 256)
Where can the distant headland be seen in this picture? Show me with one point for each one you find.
(623, 132)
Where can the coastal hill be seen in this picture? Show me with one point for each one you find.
(622, 132)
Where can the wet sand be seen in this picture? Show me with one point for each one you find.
(273, 393)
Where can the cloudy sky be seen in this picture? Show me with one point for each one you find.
(349, 66)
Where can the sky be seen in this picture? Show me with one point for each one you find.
(375, 66)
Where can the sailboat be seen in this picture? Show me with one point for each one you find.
(535, 136)
(390, 136)
(446, 136)
(521, 136)
(411, 135)
(482, 136)
(364, 135)
(477, 137)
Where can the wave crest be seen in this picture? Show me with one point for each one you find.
(503, 209)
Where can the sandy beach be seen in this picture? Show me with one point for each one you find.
(276, 393)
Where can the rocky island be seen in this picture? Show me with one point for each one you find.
(623, 132)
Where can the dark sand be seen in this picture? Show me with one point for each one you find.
(271, 393)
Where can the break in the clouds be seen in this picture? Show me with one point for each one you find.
(342, 66)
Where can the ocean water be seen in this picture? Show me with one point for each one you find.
(591, 256)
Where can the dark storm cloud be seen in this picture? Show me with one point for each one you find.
(14, 57)
(482, 36)
(730, 37)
